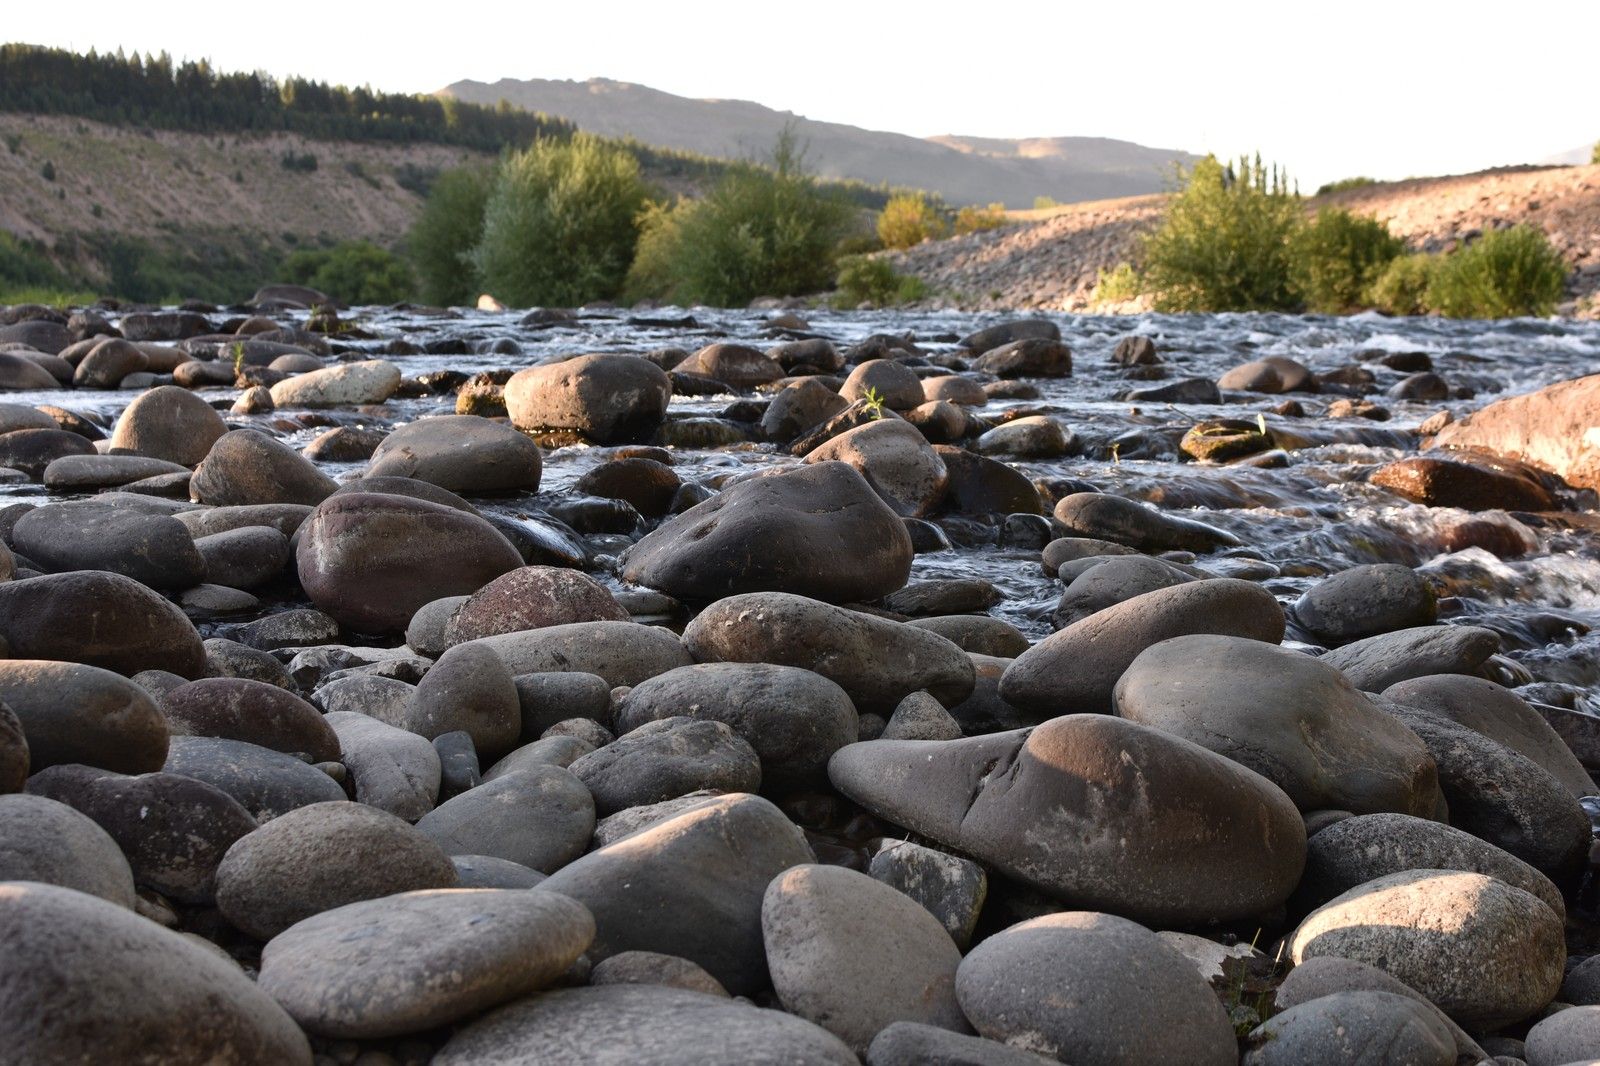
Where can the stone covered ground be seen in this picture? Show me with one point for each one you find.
(629, 715)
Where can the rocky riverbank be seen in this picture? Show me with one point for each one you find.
(460, 687)
(1050, 260)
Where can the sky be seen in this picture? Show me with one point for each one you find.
(1330, 90)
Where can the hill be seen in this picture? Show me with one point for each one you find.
(1051, 259)
(964, 170)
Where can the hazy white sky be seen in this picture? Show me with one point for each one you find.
(1330, 89)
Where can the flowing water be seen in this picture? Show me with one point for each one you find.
(1312, 516)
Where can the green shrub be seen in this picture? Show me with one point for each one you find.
(865, 279)
(1336, 258)
(1044, 203)
(356, 169)
(1503, 274)
(1117, 286)
(1224, 243)
(1593, 158)
(559, 225)
(48, 171)
(302, 162)
(355, 272)
(445, 233)
(1402, 287)
(1344, 184)
(760, 231)
(909, 219)
(971, 219)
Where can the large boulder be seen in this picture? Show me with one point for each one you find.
(84, 980)
(610, 399)
(371, 559)
(1077, 669)
(1095, 811)
(1486, 953)
(462, 453)
(153, 549)
(1552, 429)
(794, 719)
(346, 385)
(98, 619)
(168, 423)
(897, 461)
(691, 885)
(854, 955)
(1285, 715)
(876, 661)
(1095, 989)
(818, 531)
(246, 467)
(81, 714)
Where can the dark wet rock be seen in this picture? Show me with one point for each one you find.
(532, 597)
(876, 661)
(1091, 809)
(991, 337)
(372, 969)
(173, 829)
(828, 932)
(1356, 850)
(794, 719)
(540, 816)
(623, 653)
(1294, 720)
(1486, 953)
(1087, 987)
(950, 888)
(1029, 357)
(897, 462)
(708, 868)
(798, 408)
(1134, 350)
(371, 559)
(1076, 669)
(666, 758)
(49, 842)
(81, 714)
(33, 450)
(1188, 390)
(1375, 663)
(155, 550)
(640, 1023)
(1501, 796)
(1441, 482)
(1112, 581)
(1365, 601)
(344, 444)
(246, 467)
(610, 399)
(268, 783)
(462, 453)
(892, 384)
(547, 698)
(163, 325)
(1106, 517)
(977, 633)
(323, 856)
(134, 627)
(21, 374)
(87, 473)
(244, 558)
(818, 530)
(1500, 715)
(1274, 374)
(468, 689)
(257, 713)
(392, 770)
(648, 485)
(737, 365)
(89, 981)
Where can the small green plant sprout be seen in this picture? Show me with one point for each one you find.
(237, 348)
(872, 400)
(1116, 452)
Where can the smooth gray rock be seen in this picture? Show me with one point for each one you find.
(638, 1023)
(82, 714)
(88, 981)
(853, 955)
(1110, 582)
(1093, 810)
(1568, 1036)
(1105, 517)
(244, 558)
(1486, 953)
(1085, 987)
(383, 698)
(877, 662)
(246, 467)
(425, 632)
(548, 698)
(921, 717)
(1365, 601)
(170, 423)
(950, 888)
(1352, 1029)
(468, 689)
(257, 713)
(13, 752)
(47, 841)
(486, 871)
(817, 530)
(267, 782)
(653, 968)
(533, 597)
(392, 770)
(320, 857)
(1327, 975)
(1376, 663)
(1077, 669)
(623, 653)
(557, 750)
(913, 1044)
(794, 719)
(667, 758)
(463, 453)
(417, 960)
(539, 816)
(1289, 717)
(690, 886)
(135, 627)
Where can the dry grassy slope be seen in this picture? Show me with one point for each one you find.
(151, 184)
(1050, 259)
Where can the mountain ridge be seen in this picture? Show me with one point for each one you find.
(961, 169)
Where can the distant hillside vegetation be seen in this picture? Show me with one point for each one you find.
(961, 169)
